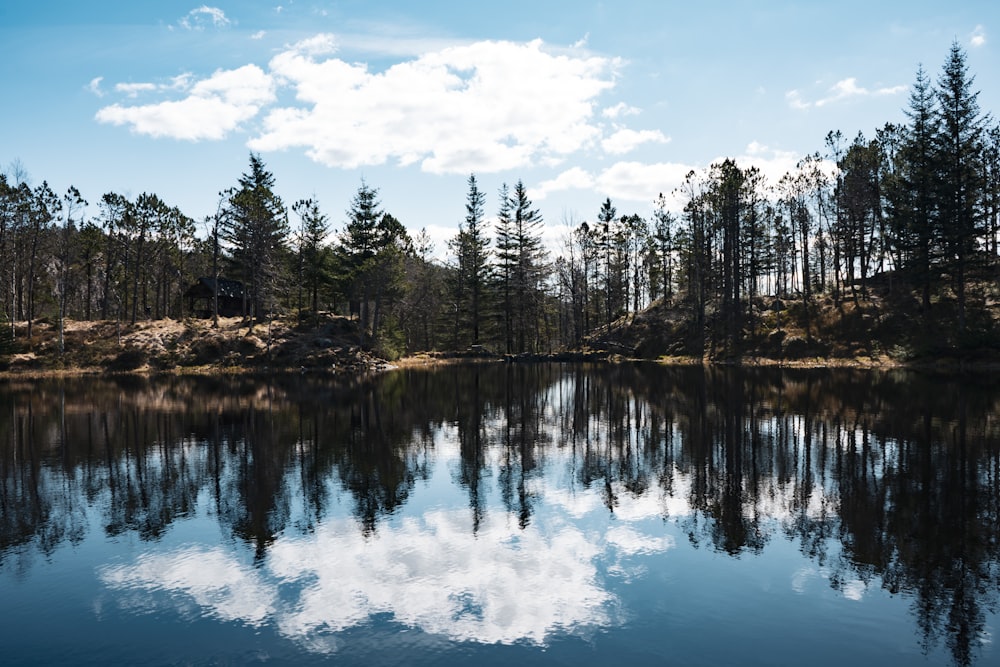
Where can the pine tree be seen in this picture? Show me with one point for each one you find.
(369, 260)
(256, 227)
(504, 268)
(959, 157)
(471, 249)
(313, 255)
(912, 197)
(663, 243)
(606, 222)
(529, 268)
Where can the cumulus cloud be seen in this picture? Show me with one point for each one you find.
(213, 108)
(629, 181)
(641, 182)
(626, 140)
(204, 17)
(844, 89)
(978, 37)
(571, 179)
(258, 35)
(486, 107)
(483, 107)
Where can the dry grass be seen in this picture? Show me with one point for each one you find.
(186, 346)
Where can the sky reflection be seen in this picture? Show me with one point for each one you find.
(502, 584)
(505, 510)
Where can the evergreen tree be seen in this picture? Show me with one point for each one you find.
(529, 269)
(369, 260)
(256, 228)
(727, 198)
(504, 269)
(41, 207)
(313, 255)
(471, 249)
(663, 244)
(959, 157)
(606, 222)
(912, 197)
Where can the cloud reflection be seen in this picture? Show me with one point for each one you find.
(214, 579)
(499, 585)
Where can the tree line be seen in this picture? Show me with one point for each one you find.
(913, 209)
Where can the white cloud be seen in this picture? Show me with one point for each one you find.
(258, 35)
(318, 45)
(644, 182)
(620, 109)
(641, 182)
(582, 42)
(482, 107)
(486, 107)
(572, 179)
(204, 16)
(794, 98)
(978, 37)
(133, 89)
(772, 162)
(214, 106)
(628, 181)
(842, 90)
(625, 140)
(95, 86)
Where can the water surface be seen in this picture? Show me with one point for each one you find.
(548, 514)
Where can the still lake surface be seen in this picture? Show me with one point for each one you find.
(489, 514)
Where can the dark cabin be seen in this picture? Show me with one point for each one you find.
(200, 295)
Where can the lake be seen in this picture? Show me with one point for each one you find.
(498, 513)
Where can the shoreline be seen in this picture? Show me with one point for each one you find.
(428, 362)
(330, 348)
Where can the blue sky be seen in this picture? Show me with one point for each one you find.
(581, 100)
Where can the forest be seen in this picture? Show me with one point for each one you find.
(892, 236)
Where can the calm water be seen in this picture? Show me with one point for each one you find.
(554, 514)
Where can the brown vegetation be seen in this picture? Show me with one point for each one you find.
(883, 328)
(188, 346)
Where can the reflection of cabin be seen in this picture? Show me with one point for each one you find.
(200, 295)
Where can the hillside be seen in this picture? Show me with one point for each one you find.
(884, 327)
(188, 346)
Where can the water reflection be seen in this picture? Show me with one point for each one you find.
(505, 586)
(883, 480)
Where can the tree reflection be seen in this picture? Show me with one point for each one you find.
(891, 479)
